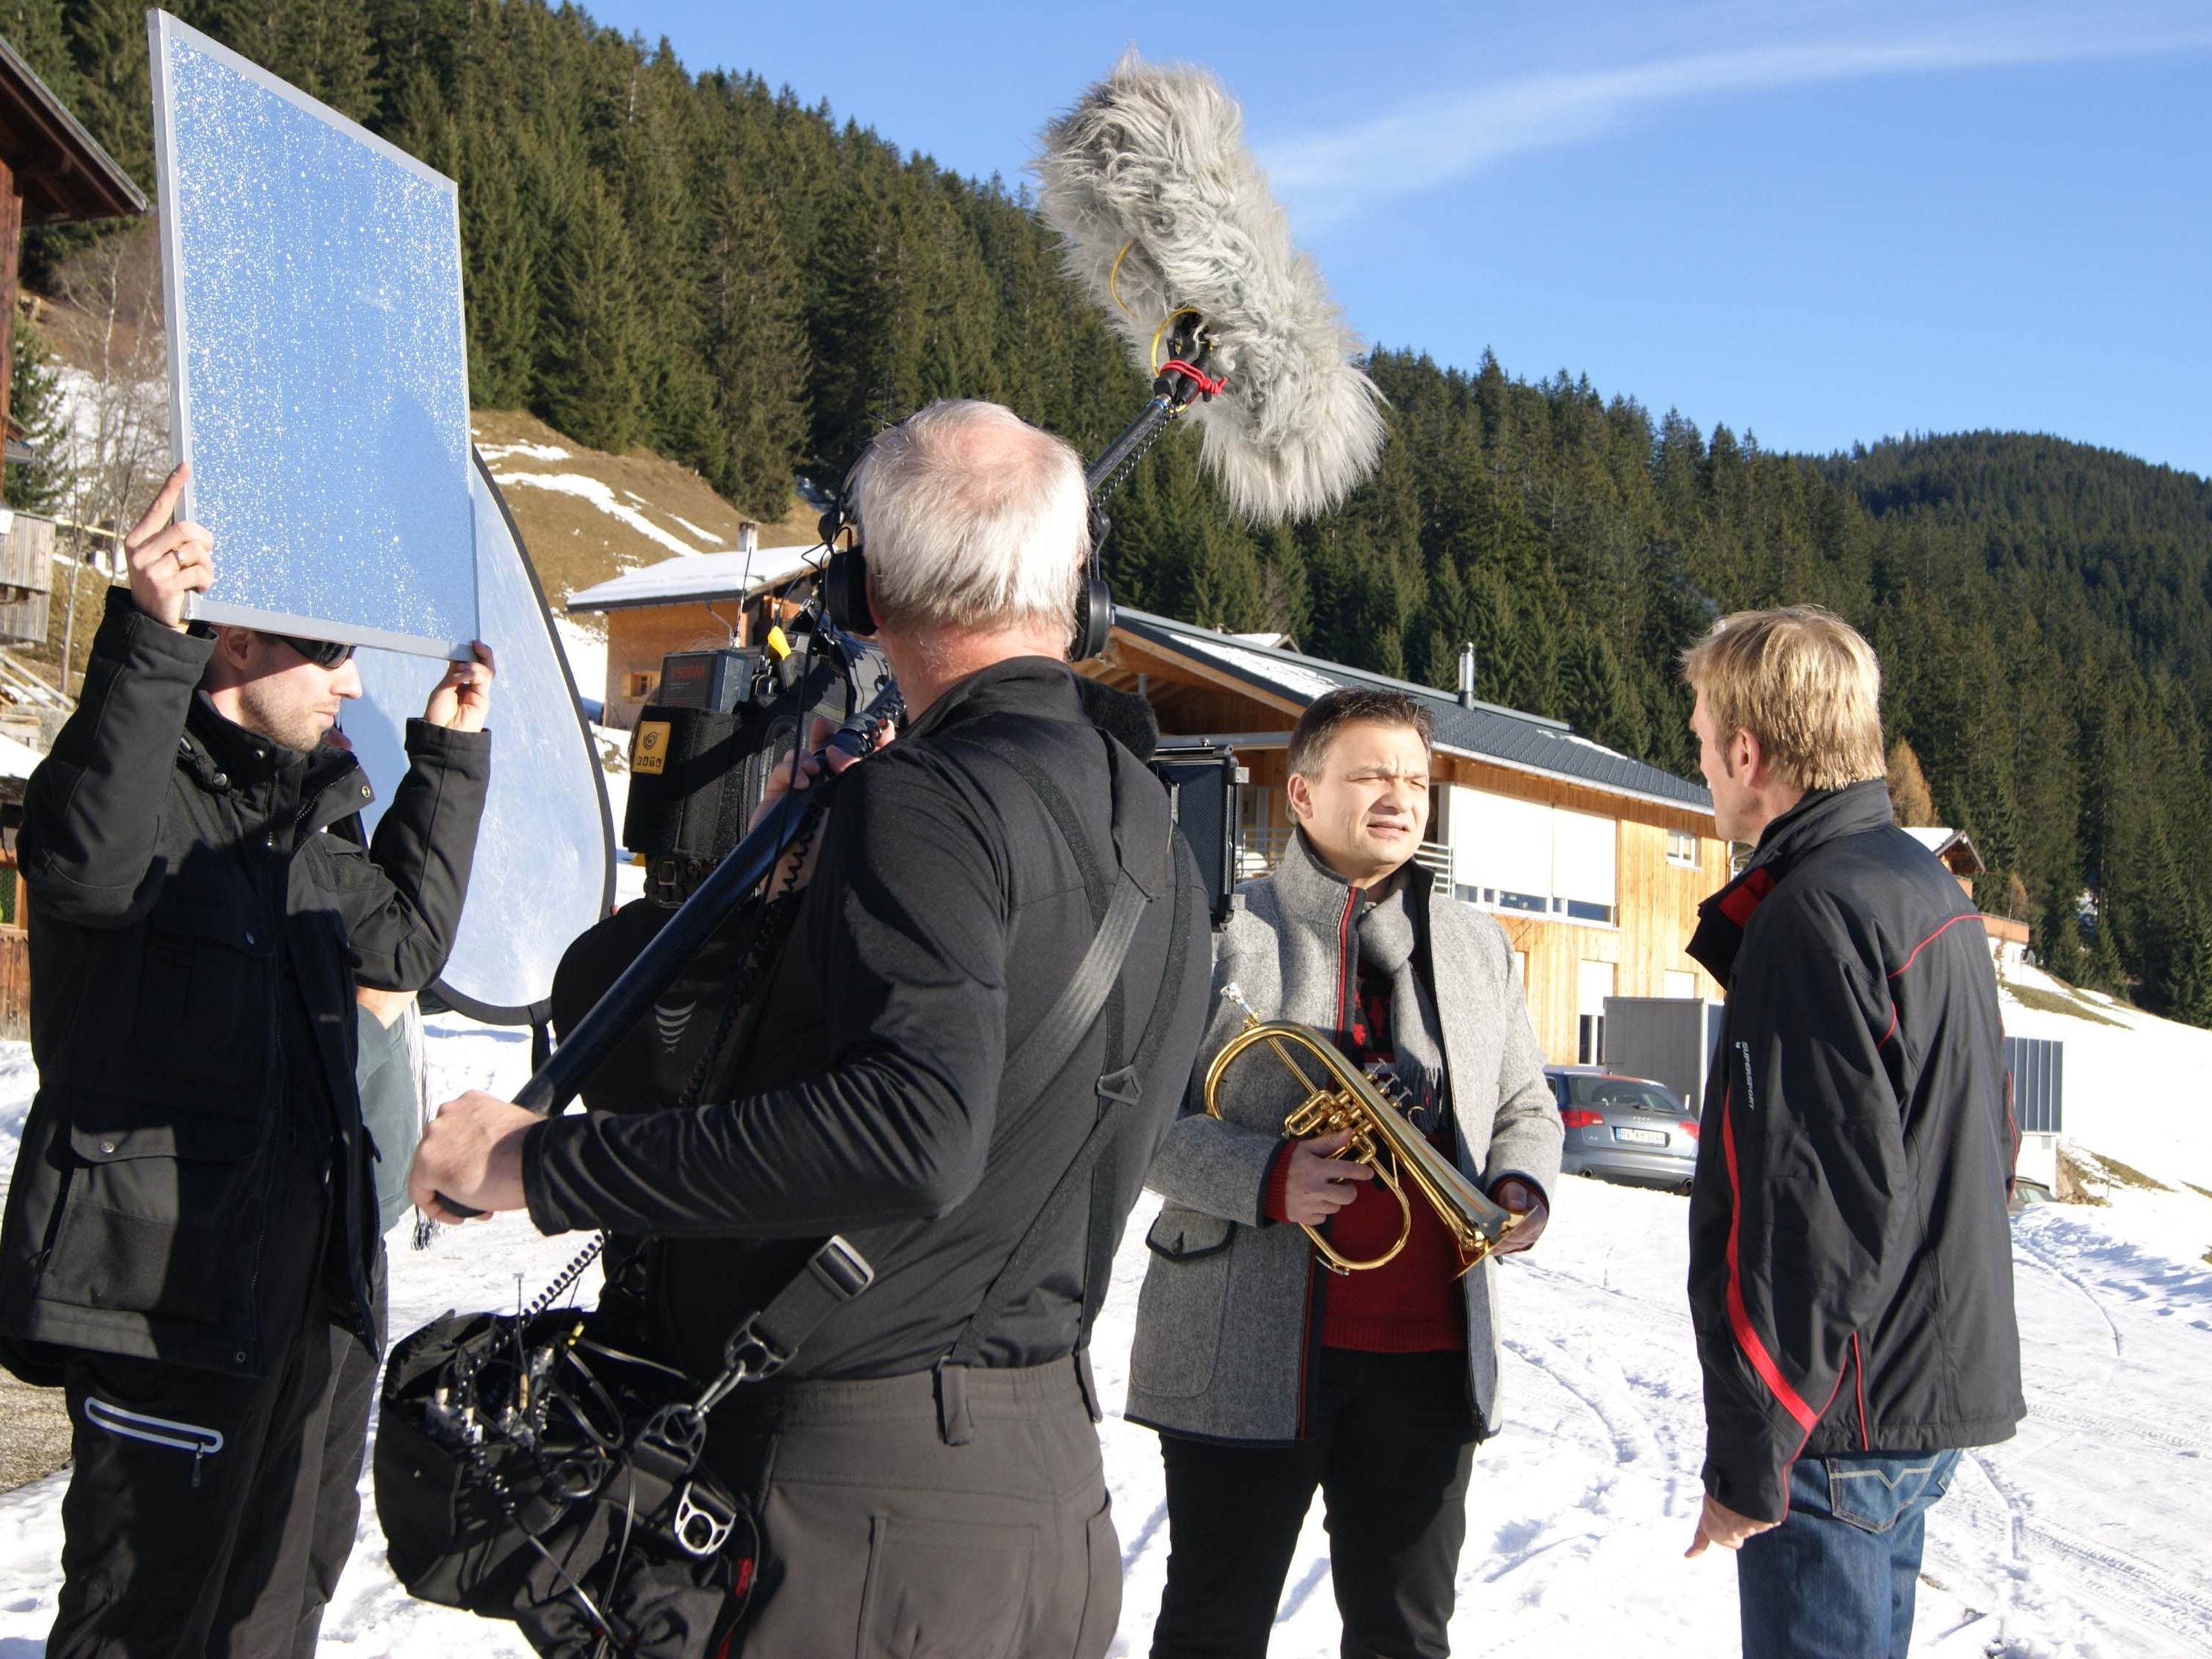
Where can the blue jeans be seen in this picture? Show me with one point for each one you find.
(1836, 1579)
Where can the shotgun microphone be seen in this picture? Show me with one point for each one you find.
(1168, 224)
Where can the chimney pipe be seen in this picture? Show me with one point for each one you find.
(1466, 675)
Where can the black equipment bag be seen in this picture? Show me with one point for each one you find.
(579, 1510)
(534, 1468)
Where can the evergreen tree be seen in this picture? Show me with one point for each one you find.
(593, 388)
(40, 484)
(501, 282)
(756, 350)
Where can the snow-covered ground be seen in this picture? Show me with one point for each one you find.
(2084, 1536)
(2137, 1089)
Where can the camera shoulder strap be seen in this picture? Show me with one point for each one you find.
(842, 1267)
(1117, 1093)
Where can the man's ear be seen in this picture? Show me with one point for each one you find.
(1750, 758)
(1301, 794)
(233, 654)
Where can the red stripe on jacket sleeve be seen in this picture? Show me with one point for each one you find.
(1915, 954)
(1739, 1319)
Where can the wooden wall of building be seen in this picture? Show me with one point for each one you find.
(27, 561)
(1656, 902)
(639, 637)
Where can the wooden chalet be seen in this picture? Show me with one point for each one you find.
(693, 602)
(1592, 863)
(52, 172)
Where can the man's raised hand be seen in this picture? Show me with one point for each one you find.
(470, 1153)
(167, 562)
(459, 701)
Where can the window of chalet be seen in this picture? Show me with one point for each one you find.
(1681, 849)
(1509, 853)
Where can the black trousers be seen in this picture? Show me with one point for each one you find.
(232, 1549)
(884, 1540)
(1390, 1443)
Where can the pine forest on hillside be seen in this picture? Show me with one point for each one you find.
(702, 266)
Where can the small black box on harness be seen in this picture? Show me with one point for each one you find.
(1203, 781)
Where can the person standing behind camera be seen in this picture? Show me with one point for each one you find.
(1266, 1376)
(925, 1471)
(190, 1246)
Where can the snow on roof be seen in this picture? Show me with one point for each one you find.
(16, 759)
(698, 577)
(1290, 676)
(1505, 736)
(1955, 846)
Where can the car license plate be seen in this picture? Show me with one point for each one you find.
(1641, 1137)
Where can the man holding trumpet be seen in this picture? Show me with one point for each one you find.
(1267, 1373)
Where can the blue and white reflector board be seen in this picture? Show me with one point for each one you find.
(545, 866)
(318, 368)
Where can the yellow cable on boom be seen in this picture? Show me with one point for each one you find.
(1179, 311)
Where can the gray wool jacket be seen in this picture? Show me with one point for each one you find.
(1229, 1320)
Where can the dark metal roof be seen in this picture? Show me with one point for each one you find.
(1526, 743)
(61, 172)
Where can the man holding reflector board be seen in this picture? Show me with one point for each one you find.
(190, 1246)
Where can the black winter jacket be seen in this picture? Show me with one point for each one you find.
(946, 915)
(181, 887)
(1850, 1255)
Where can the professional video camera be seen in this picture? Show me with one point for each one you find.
(723, 719)
(720, 721)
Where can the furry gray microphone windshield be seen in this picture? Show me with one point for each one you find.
(1163, 208)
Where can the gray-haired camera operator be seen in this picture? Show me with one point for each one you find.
(925, 1471)
(190, 1245)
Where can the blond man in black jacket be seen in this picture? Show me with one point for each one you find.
(1850, 1258)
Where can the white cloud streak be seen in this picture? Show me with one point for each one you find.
(1330, 177)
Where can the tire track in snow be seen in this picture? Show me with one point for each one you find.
(2037, 1256)
(2042, 1409)
(2102, 1574)
(1667, 1332)
(1633, 1437)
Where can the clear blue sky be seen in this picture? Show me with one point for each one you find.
(1820, 221)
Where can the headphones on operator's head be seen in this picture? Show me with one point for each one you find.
(845, 577)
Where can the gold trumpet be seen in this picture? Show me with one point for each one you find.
(1355, 1101)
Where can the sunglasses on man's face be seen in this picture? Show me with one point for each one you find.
(323, 654)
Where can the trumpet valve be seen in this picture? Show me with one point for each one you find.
(1320, 1113)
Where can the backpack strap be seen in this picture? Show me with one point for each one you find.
(1117, 1092)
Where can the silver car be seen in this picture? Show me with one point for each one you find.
(1621, 1128)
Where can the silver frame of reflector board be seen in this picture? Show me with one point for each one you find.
(162, 29)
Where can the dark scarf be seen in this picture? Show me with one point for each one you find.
(1820, 817)
(1386, 934)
